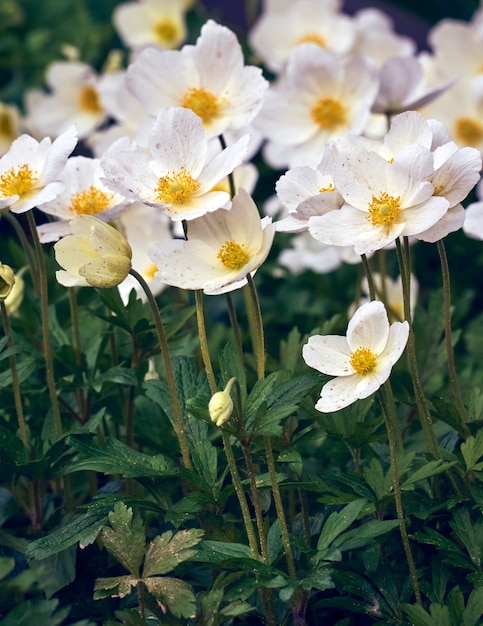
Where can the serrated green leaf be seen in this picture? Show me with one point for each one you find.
(359, 537)
(379, 481)
(117, 374)
(177, 595)
(126, 539)
(472, 451)
(114, 586)
(474, 608)
(166, 551)
(115, 457)
(218, 551)
(470, 534)
(25, 368)
(475, 404)
(337, 522)
(431, 468)
(38, 612)
(419, 617)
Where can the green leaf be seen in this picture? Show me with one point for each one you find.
(38, 612)
(419, 617)
(470, 534)
(126, 539)
(117, 374)
(474, 608)
(177, 595)
(6, 566)
(359, 537)
(115, 457)
(475, 404)
(430, 468)
(167, 550)
(218, 551)
(378, 481)
(114, 587)
(337, 522)
(472, 451)
(25, 368)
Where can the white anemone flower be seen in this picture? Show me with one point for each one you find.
(84, 194)
(73, 99)
(30, 170)
(320, 97)
(151, 22)
(210, 78)
(176, 173)
(305, 192)
(277, 32)
(361, 361)
(383, 199)
(221, 250)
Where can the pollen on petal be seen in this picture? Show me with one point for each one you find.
(89, 101)
(202, 102)
(328, 113)
(90, 201)
(176, 188)
(384, 210)
(363, 360)
(233, 256)
(17, 181)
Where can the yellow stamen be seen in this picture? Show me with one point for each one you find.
(202, 102)
(313, 38)
(90, 201)
(363, 361)
(232, 255)
(166, 32)
(329, 188)
(328, 113)
(384, 210)
(176, 188)
(89, 101)
(468, 131)
(17, 181)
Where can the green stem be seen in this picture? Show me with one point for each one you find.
(74, 316)
(26, 248)
(448, 338)
(240, 492)
(235, 327)
(277, 497)
(370, 279)
(44, 308)
(231, 179)
(259, 340)
(205, 353)
(423, 411)
(173, 392)
(17, 397)
(247, 453)
(391, 428)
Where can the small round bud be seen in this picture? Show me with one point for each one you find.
(7, 281)
(220, 406)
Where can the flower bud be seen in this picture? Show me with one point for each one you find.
(7, 281)
(95, 255)
(15, 297)
(220, 406)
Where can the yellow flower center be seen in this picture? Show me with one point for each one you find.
(313, 38)
(17, 181)
(89, 101)
(384, 210)
(166, 32)
(468, 131)
(176, 188)
(329, 188)
(202, 102)
(363, 361)
(149, 271)
(90, 201)
(328, 113)
(232, 255)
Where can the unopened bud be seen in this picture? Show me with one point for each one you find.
(220, 406)
(7, 280)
